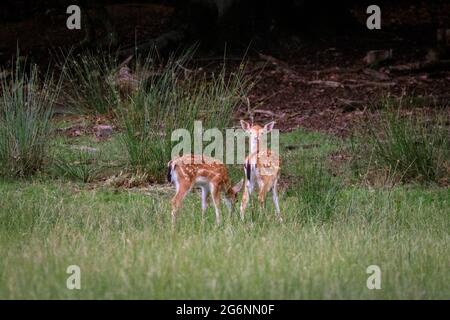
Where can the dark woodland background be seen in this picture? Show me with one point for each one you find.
(322, 49)
(268, 24)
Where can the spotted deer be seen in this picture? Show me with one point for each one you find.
(208, 174)
(261, 168)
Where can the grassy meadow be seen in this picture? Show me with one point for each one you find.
(101, 205)
(126, 248)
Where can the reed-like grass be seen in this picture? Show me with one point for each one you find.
(79, 165)
(171, 100)
(27, 99)
(89, 82)
(410, 146)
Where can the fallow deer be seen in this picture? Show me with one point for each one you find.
(262, 168)
(208, 174)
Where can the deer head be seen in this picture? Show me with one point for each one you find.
(256, 133)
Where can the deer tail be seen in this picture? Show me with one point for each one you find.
(170, 168)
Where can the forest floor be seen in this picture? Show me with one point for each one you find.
(331, 90)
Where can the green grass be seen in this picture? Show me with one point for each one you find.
(172, 100)
(126, 248)
(149, 98)
(408, 146)
(26, 108)
(89, 86)
(85, 158)
(78, 165)
(317, 191)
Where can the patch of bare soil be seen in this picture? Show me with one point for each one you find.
(332, 90)
(329, 85)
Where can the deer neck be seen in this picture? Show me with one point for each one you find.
(254, 146)
(257, 145)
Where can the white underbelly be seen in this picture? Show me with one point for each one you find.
(201, 182)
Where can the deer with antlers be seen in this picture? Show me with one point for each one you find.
(208, 174)
(261, 168)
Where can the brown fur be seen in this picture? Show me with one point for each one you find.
(189, 169)
(266, 165)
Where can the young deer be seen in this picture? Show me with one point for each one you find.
(262, 168)
(209, 174)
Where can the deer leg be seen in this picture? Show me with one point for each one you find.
(215, 191)
(205, 193)
(275, 200)
(248, 188)
(262, 194)
(229, 206)
(177, 200)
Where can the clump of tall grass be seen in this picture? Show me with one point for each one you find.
(80, 165)
(318, 192)
(88, 82)
(26, 108)
(409, 146)
(169, 100)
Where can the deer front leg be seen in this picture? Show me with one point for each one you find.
(262, 194)
(275, 200)
(215, 192)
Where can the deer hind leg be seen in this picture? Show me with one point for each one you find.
(177, 200)
(215, 192)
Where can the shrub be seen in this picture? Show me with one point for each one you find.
(26, 107)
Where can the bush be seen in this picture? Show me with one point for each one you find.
(26, 107)
(412, 147)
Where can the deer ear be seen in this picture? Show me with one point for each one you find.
(245, 125)
(238, 186)
(269, 126)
